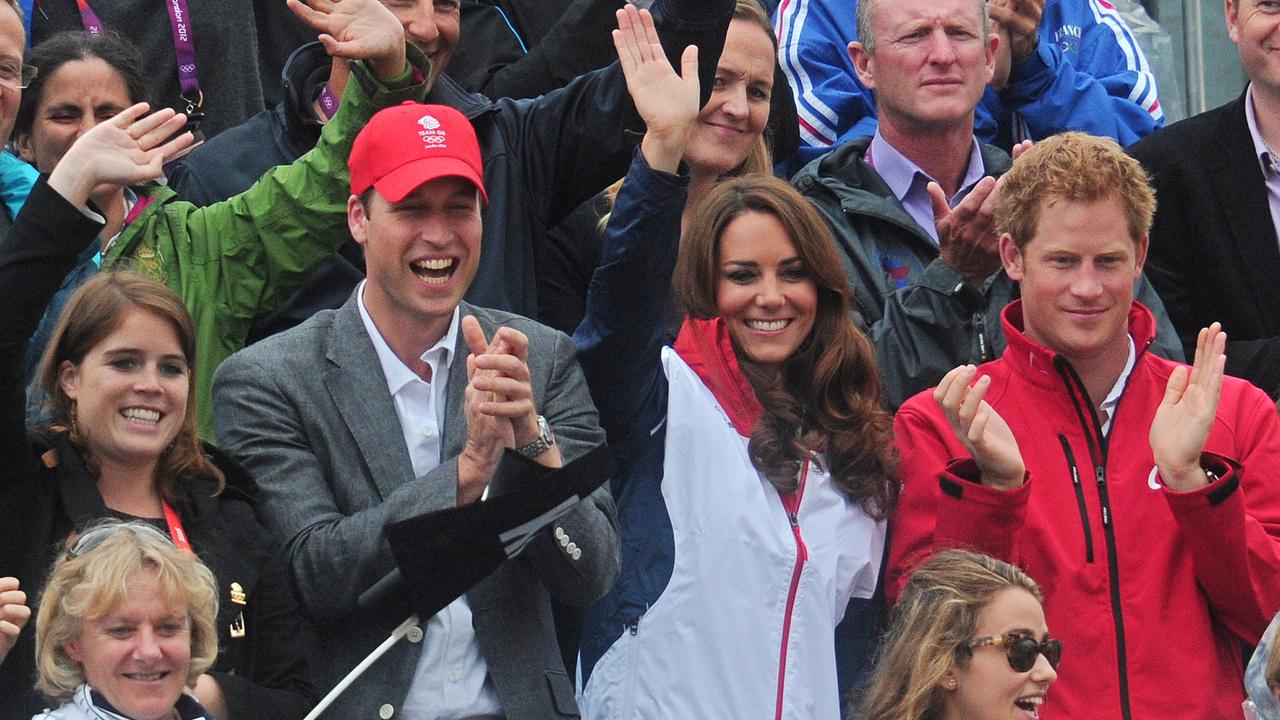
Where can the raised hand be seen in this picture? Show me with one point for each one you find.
(128, 149)
(967, 238)
(1186, 414)
(14, 614)
(667, 102)
(977, 425)
(1021, 18)
(357, 30)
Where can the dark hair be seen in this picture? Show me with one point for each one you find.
(72, 45)
(829, 397)
(92, 313)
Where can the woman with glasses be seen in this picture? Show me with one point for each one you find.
(121, 442)
(968, 640)
(126, 625)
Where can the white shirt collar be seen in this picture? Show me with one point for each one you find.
(1108, 405)
(439, 356)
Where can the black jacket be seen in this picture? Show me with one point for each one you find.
(1214, 254)
(46, 492)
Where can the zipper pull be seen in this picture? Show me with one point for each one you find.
(794, 518)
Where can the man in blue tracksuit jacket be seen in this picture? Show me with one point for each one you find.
(1085, 73)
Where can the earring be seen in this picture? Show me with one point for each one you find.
(951, 684)
(71, 415)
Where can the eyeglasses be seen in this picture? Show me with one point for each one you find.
(16, 75)
(98, 535)
(1022, 649)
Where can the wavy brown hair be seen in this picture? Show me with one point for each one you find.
(827, 397)
(933, 623)
(95, 311)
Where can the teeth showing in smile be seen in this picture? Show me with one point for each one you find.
(767, 325)
(1030, 704)
(146, 678)
(142, 414)
(435, 271)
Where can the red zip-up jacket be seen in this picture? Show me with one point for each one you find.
(1153, 592)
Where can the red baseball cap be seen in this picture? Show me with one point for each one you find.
(405, 146)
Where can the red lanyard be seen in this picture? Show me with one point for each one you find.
(176, 530)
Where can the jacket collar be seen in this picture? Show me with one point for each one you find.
(705, 347)
(306, 70)
(1037, 363)
(447, 91)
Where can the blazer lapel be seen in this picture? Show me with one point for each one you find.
(359, 391)
(1242, 192)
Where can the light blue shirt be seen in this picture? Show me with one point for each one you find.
(1267, 159)
(908, 181)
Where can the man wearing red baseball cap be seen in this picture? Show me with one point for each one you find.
(375, 412)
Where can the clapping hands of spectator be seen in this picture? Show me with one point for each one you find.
(967, 238)
(14, 614)
(499, 406)
(667, 102)
(978, 427)
(1186, 414)
(357, 30)
(1021, 18)
(128, 149)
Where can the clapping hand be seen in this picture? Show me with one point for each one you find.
(14, 614)
(977, 425)
(357, 30)
(667, 102)
(967, 238)
(1187, 412)
(128, 149)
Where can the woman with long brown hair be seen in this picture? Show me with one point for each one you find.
(755, 463)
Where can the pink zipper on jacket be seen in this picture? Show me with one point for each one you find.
(791, 503)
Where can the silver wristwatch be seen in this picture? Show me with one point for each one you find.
(542, 444)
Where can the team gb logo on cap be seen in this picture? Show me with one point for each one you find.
(431, 134)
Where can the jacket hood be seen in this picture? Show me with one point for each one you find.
(1036, 361)
(705, 347)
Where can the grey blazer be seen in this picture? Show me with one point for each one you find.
(308, 414)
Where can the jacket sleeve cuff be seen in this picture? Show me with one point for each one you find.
(1215, 493)
(1029, 78)
(973, 515)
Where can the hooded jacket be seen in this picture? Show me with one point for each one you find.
(1153, 592)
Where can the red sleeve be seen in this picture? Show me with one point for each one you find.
(942, 503)
(1232, 526)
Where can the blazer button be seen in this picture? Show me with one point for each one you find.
(576, 554)
(415, 634)
(570, 548)
(564, 540)
(560, 533)
(386, 711)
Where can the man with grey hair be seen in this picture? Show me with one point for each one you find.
(912, 207)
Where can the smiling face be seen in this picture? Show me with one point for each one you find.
(1254, 26)
(433, 26)
(732, 120)
(1076, 276)
(138, 654)
(987, 687)
(79, 95)
(932, 63)
(765, 293)
(421, 255)
(130, 392)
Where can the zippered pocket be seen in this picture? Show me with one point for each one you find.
(633, 655)
(1084, 510)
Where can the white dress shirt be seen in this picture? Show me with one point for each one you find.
(452, 679)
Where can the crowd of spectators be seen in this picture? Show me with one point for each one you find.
(881, 359)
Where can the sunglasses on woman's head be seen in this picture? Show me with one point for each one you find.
(1022, 649)
(95, 537)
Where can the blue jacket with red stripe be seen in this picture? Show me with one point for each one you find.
(1087, 74)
